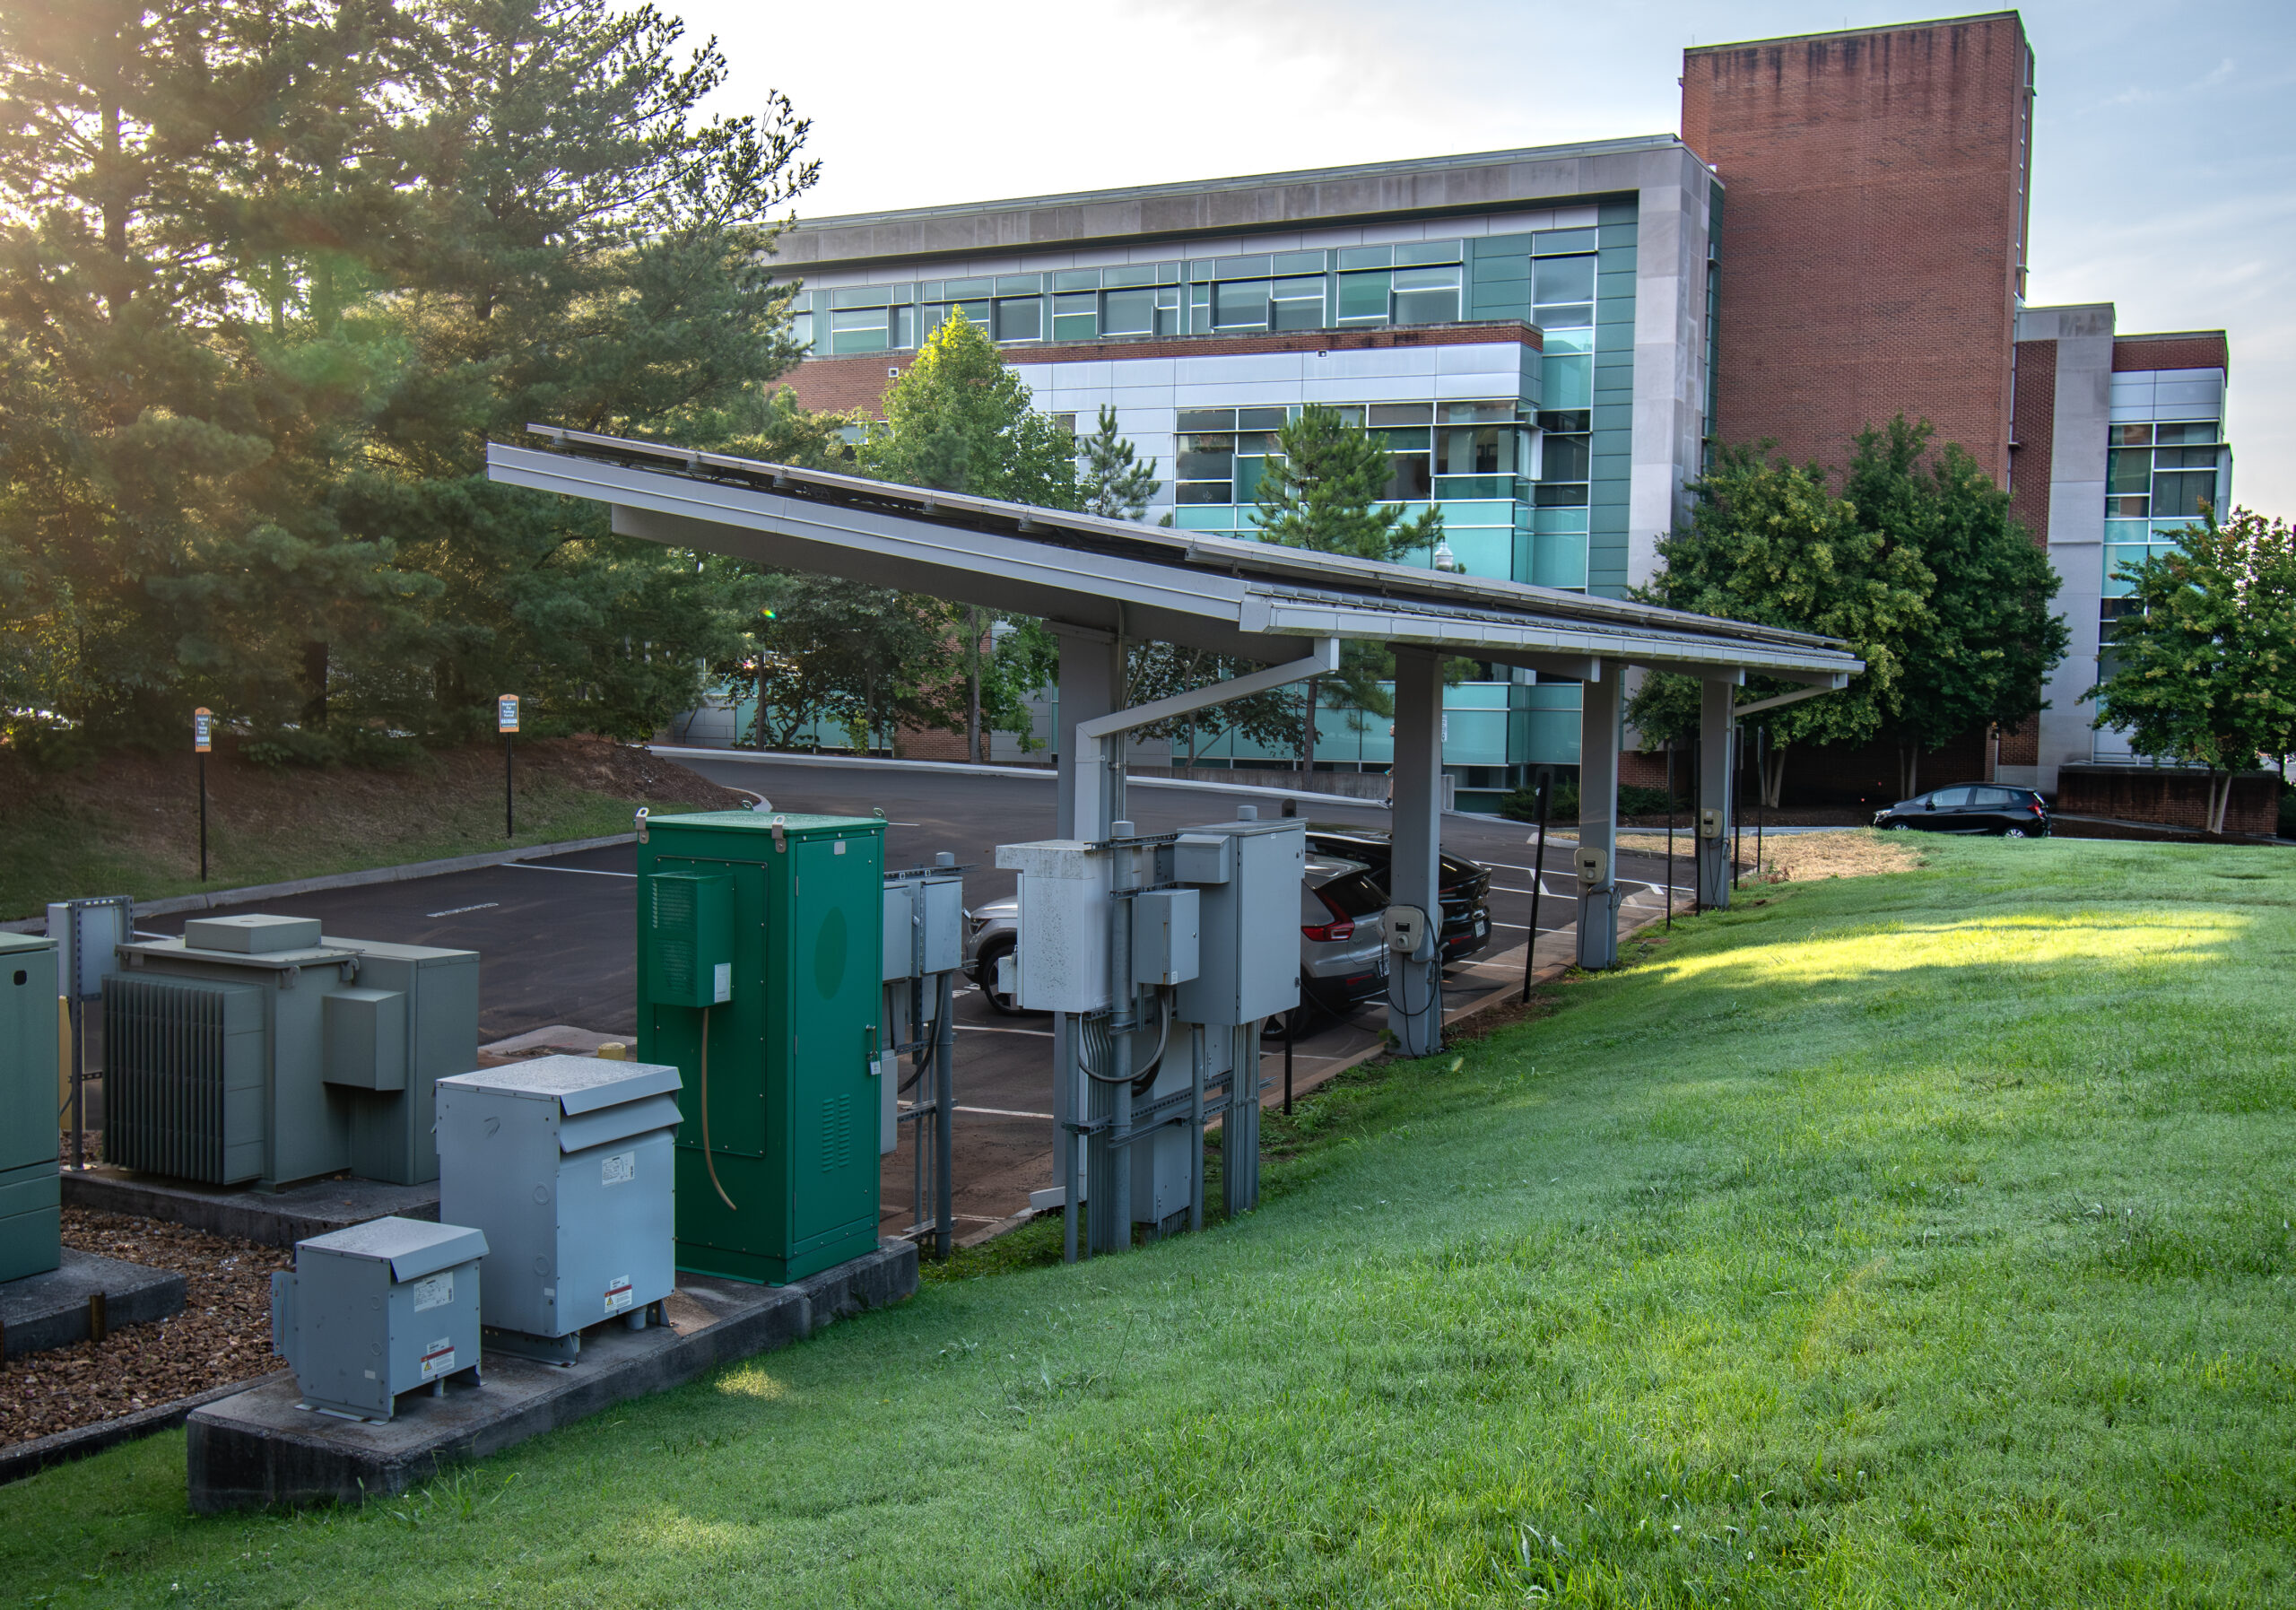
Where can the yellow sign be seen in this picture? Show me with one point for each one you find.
(203, 730)
(506, 718)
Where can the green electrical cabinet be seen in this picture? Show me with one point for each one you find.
(758, 957)
(31, 1212)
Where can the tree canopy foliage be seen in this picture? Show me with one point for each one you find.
(1917, 565)
(274, 271)
(2203, 671)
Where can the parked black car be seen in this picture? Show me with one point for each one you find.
(1972, 808)
(1464, 886)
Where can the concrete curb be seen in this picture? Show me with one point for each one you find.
(30, 1458)
(257, 1448)
(209, 900)
(50, 1309)
(958, 768)
(269, 1218)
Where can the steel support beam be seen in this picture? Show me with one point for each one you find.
(1092, 682)
(1415, 982)
(1600, 714)
(1714, 724)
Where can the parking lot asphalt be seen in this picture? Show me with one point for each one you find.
(556, 937)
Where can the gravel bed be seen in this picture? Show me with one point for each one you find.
(223, 1335)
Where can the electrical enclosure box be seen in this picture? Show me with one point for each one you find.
(30, 1215)
(378, 1310)
(778, 1099)
(257, 1049)
(1164, 936)
(1709, 824)
(923, 925)
(1062, 952)
(1247, 956)
(690, 940)
(566, 1164)
(88, 934)
(1406, 928)
(1594, 865)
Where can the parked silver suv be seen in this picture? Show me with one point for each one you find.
(1342, 937)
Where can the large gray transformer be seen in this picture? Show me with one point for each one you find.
(30, 1209)
(566, 1163)
(257, 1049)
(378, 1310)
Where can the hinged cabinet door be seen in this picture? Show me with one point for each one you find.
(836, 941)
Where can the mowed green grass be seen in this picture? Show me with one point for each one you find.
(1911, 1240)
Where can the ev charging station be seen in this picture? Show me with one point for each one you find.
(1119, 937)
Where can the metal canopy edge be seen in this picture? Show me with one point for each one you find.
(1250, 599)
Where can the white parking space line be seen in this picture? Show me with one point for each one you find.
(588, 872)
(457, 910)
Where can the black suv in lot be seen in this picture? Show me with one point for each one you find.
(1971, 808)
(1464, 886)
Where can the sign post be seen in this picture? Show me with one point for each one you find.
(202, 733)
(506, 720)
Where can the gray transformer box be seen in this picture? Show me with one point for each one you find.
(1247, 924)
(566, 1162)
(31, 1212)
(257, 1049)
(377, 1310)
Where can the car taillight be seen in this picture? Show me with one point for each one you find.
(2036, 810)
(1323, 933)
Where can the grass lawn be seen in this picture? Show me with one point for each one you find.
(128, 825)
(1918, 1241)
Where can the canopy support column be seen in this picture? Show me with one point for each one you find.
(1600, 713)
(1415, 981)
(1091, 682)
(1714, 719)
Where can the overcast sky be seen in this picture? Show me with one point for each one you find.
(2165, 163)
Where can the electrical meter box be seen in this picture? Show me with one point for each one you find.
(1247, 946)
(30, 1219)
(1709, 824)
(1165, 936)
(378, 1310)
(257, 1048)
(689, 949)
(778, 1099)
(565, 1164)
(924, 925)
(1061, 960)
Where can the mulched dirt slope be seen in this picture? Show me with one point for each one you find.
(223, 1335)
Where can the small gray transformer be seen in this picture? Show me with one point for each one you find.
(566, 1163)
(377, 1310)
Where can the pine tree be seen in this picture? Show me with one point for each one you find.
(1114, 484)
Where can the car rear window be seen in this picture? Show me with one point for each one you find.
(1998, 797)
(1353, 894)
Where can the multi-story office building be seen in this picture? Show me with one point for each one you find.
(1548, 339)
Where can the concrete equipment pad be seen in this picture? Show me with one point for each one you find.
(271, 1218)
(257, 1448)
(41, 1311)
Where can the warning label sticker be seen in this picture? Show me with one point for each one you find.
(434, 1290)
(619, 1294)
(439, 1358)
(620, 1169)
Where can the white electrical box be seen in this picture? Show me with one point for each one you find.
(1593, 865)
(923, 925)
(1203, 858)
(378, 1310)
(1406, 928)
(1709, 824)
(1063, 950)
(1247, 953)
(1164, 936)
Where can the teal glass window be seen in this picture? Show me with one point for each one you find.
(1549, 242)
(1020, 284)
(1426, 295)
(1241, 268)
(1297, 304)
(857, 330)
(1168, 310)
(1565, 457)
(1560, 280)
(801, 329)
(2132, 436)
(1020, 318)
(2128, 471)
(1363, 297)
(1076, 315)
(2188, 430)
(2179, 496)
(1077, 279)
(904, 326)
(1384, 415)
(1239, 305)
(1365, 257)
(1207, 419)
(958, 291)
(1137, 273)
(1298, 262)
(1411, 252)
(1263, 419)
(1128, 312)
